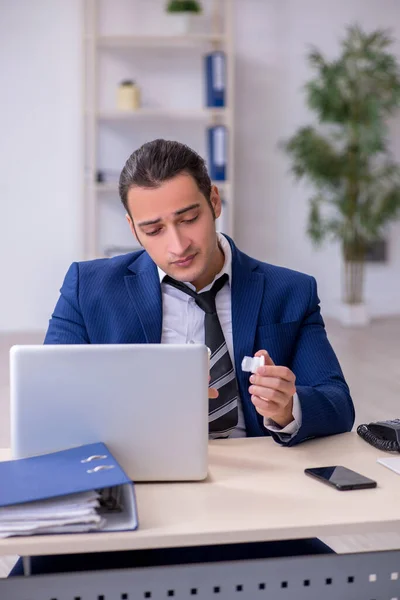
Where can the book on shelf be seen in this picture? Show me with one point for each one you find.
(215, 79)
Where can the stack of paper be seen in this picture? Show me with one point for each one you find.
(70, 514)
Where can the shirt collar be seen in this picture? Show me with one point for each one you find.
(227, 267)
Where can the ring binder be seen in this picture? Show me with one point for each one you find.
(215, 78)
(53, 493)
(217, 152)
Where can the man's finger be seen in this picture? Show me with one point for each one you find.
(267, 359)
(267, 408)
(213, 393)
(277, 372)
(281, 394)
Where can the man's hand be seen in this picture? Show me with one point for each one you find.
(212, 392)
(272, 391)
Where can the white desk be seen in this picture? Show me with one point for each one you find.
(256, 491)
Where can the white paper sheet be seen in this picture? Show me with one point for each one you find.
(392, 462)
(76, 512)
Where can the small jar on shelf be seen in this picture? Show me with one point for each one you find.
(128, 95)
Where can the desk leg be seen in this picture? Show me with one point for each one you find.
(26, 562)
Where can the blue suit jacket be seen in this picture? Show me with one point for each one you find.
(118, 300)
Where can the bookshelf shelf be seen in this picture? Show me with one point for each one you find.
(142, 113)
(158, 41)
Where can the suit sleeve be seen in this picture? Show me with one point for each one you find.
(67, 325)
(326, 404)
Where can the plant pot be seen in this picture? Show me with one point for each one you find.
(353, 315)
(183, 23)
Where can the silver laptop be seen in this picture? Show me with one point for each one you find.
(147, 402)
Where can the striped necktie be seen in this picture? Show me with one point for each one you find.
(223, 411)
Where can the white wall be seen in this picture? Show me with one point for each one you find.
(40, 155)
(271, 210)
(41, 152)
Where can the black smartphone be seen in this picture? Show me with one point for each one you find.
(341, 478)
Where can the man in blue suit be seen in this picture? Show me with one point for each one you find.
(265, 310)
(261, 309)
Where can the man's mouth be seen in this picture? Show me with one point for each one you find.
(184, 262)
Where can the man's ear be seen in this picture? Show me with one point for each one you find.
(215, 200)
(132, 227)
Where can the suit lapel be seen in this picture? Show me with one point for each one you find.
(144, 290)
(247, 293)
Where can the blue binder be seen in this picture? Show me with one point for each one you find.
(217, 152)
(215, 79)
(82, 469)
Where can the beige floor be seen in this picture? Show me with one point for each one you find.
(370, 359)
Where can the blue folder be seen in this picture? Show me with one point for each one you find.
(217, 139)
(81, 469)
(215, 79)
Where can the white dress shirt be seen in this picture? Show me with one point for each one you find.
(183, 323)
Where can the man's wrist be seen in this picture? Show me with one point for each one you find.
(282, 420)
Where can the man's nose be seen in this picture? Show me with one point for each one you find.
(177, 244)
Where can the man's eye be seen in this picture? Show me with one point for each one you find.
(155, 232)
(191, 220)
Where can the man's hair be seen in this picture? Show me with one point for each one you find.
(158, 161)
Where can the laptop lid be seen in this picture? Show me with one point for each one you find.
(147, 402)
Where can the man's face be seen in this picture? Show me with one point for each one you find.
(175, 225)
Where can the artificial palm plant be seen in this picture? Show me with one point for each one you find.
(347, 158)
